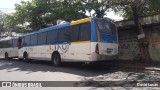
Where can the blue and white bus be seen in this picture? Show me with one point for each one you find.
(85, 40)
(9, 48)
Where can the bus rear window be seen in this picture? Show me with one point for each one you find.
(105, 26)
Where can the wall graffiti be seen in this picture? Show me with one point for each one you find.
(128, 49)
(155, 41)
(128, 44)
(154, 47)
(63, 47)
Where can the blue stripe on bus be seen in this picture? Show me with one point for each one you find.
(94, 37)
(50, 28)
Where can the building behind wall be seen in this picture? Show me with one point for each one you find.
(128, 38)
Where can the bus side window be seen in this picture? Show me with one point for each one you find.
(42, 38)
(7, 43)
(33, 40)
(14, 42)
(19, 42)
(52, 37)
(0, 45)
(10, 43)
(23, 42)
(64, 35)
(75, 33)
(27, 41)
(85, 32)
(67, 34)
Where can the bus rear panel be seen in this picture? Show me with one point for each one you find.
(105, 45)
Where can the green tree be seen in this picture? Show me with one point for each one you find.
(97, 8)
(1, 22)
(4, 27)
(40, 13)
(9, 25)
(12, 24)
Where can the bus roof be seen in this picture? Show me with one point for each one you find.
(61, 26)
(8, 38)
(49, 28)
(81, 21)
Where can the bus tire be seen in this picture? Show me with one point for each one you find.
(25, 57)
(6, 56)
(56, 60)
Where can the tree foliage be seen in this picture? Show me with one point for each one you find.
(5, 29)
(40, 13)
(97, 8)
(43, 13)
(2, 21)
(144, 7)
(8, 25)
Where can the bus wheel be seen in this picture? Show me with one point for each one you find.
(6, 56)
(56, 60)
(25, 57)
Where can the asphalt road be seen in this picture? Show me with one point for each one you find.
(18, 70)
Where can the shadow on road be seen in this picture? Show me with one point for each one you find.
(95, 71)
(45, 66)
(104, 71)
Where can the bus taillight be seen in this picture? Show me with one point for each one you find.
(97, 49)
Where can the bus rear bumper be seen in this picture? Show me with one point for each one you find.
(97, 57)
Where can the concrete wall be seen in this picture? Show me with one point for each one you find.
(128, 38)
(129, 47)
(154, 46)
(144, 21)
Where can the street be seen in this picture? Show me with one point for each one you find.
(18, 70)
